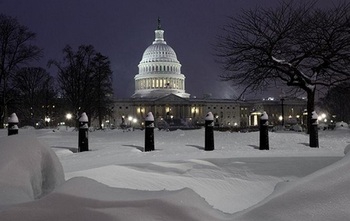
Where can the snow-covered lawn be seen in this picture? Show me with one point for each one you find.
(116, 180)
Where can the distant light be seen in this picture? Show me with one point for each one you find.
(280, 118)
(130, 118)
(134, 120)
(69, 116)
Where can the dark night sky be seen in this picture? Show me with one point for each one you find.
(122, 30)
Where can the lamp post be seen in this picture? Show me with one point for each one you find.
(68, 117)
(47, 121)
(130, 120)
(282, 110)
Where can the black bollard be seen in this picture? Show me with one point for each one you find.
(313, 130)
(12, 124)
(264, 132)
(83, 143)
(209, 132)
(149, 132)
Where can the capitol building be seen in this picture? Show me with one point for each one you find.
(160, 88)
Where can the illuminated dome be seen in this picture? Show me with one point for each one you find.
(159, 71)
(159, 51)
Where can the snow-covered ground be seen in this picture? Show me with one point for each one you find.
(116, 180)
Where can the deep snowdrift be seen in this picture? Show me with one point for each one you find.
(82, 199)
(323, 195)
(28, 170)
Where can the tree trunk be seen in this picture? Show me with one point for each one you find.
(4, 114)
(100, 121)
(310, 108)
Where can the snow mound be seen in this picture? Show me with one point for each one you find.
(323, 195)
(341, 124)
(82, 199)
(28, 170)
(347, 149)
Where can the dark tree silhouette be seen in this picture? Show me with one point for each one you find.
(36, 94)
(102, 84)
(335, 102)
(85, 78)
(301, 46)
(15, 51)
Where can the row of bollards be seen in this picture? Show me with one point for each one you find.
(83, 140)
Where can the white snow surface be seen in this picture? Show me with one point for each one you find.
(264, 116)
(13, 118)
(116, 180)
(28, 170)
(149, 117)
(209, 116)
(83, 117)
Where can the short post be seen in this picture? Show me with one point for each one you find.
(149, 132)
(314, 130)
(209, 132)
(83, 143)
(12, 124)
(264, 132)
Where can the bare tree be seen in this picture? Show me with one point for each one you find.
(301, 46)
(36, 94)
(84, 77)
(102, 85)
(15, 50)
(334, 102)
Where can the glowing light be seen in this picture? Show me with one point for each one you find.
(69, 116)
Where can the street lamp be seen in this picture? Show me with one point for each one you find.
(282, 106)
(47, 120)
(68, 117)
(130, 120)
